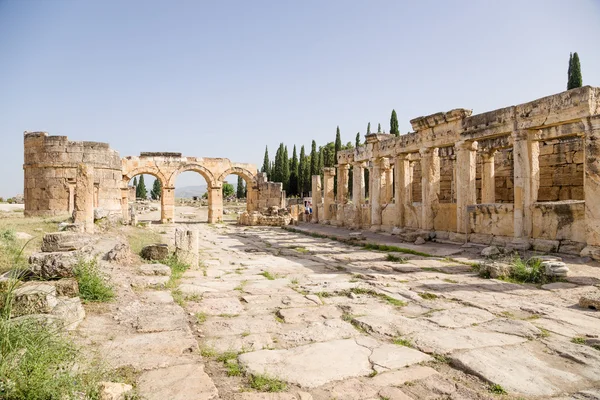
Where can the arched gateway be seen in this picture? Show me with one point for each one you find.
(51, 164)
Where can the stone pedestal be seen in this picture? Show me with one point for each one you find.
(328, 193)
(466, 193)
(430, 186)
(187, 246)
(316, 198)
(167, 201)
(84, 198)
(526, 182)
(125, 204)
(402, 187)
(215, 204)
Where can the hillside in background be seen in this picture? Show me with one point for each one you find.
(187, 192)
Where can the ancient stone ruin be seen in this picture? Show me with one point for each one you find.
(521, 176)
(64, 177)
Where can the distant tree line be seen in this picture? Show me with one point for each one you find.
(295, 172)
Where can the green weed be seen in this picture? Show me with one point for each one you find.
(93, 286)
(265, 383)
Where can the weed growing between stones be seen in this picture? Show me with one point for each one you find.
(265, 383)
(497, 389)
(402, 342)
(268, 275)
(428, 296)
(93, 286)
(396, 259)
(177, 270)
(373, 293)
(200, 317)
(578, 340)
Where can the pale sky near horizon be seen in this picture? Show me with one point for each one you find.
(226, 78)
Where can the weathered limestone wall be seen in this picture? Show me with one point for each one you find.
(491, 177)
(50, 171)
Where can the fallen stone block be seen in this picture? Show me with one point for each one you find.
(545, 246)
(55, 265)
(67, 287)
(555, 268)
(490, 251)
(571, 247)
(121, 253)
(157, 252)
(34, 299)
(69, 311)
(590, 301)
(419, 240)
(64, 241)
(100, 213)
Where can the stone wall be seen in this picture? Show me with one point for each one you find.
(495, 177)
(50, 171)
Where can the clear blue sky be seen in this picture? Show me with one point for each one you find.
(226, 78)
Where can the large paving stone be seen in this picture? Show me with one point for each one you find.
(246, 342)
(218, 306)
(443, 341)
(240, 325)
(321, 331)
(391, 356)
(518, 369)
(274, 396)
(460, 317)
(309, 314)
(304, 365)
(149, 350)
(155, 269)
(513, 327)
(179, 382)
(399, 377)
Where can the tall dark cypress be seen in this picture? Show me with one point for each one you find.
(301, 173)
(293, 183)
(576, 80)
(266, 164)
(378, 128)
(368, 129)
(569, 71)
(338, 147)
(241, 190)
(307, 177)
(357, 140)
(394, 124)
(285, 169)
(314, 160)
(141, 191)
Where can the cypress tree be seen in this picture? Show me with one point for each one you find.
(338, 147)
(394, 124)
(266, 167)
(285, 169)
(156, 191)
(575, 80)
(314, 160)
(293, 185)
(378, 128)
(307, 178)
(135, 182)
(569, 70)
(301, 172)
(241, 190)
(321, 162)
(357, 140)
(141, 191)
(368, 129)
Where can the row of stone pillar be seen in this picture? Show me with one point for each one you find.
(526, 183)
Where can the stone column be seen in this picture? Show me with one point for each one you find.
(526, 183)
(125, 204)
(374, 194)
(591, 187)
(488, 182)
(71, 198)
(83, 213)
(430, 186)
(402, 188)
(316, 197)
(187, 246)
(466, 192)
(328, 194)
(167, 205)
(251, 197)
(342, 183)
(358, 184)
(389, 184)
(215, 204)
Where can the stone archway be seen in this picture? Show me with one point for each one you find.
(251, 185)
(213, 186)
(165, 209)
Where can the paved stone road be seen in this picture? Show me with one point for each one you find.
(339, 322)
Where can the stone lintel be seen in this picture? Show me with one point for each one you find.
(429, 121)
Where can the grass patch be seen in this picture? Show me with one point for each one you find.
(200, 317)
(228, 355)
(428, 296)
(373, 293)
(578, 340)
(441, 358)
(268, 275)
(394, 249)
(402, 342)
(396, 259)
(93, 286)
(139, 238)
(234, 369)
(496, 389)
(295, 281)
(228, 315)
(208, 352)
(178, 297)
(178, 268)
(450, 280)
(544, 333)
(240, 287)
(265, 383)
(302, 250)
